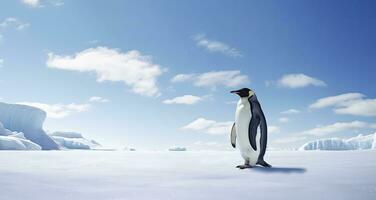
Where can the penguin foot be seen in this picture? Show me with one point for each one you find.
(264, 164)
(243, 166)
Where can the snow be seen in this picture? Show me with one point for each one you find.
(355, 143)
(374, 141)
(28, 120)
(73, 140)
(108, 175)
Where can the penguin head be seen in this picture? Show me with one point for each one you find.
(244, 92)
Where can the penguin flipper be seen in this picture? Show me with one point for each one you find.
(233, 136)
(263, 141)
(252, 131)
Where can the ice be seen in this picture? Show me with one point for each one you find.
(361, 141)
(4, 131)
(118, 175)
(355, 143)
(15, 142)
(129, 149)
(177, 148)
(326, 144)
(28, 120)
(66, 134)
(73, 140)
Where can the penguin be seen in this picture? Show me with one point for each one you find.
(249, 132)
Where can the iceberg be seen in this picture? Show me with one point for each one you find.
(25, 119)
(73, 140)
(336, 144)
(4, 131)
(129, 149)
(17, 142)
(177, 149)
(361, 142)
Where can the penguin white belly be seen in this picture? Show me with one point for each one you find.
(242, 120)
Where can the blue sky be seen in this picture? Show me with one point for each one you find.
(112, 69)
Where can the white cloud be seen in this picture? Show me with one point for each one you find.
(41, 3)
(182, 78)
(216, 46)
(98, 99)
(132, 68)
(274, 129)
(348, 103)
(364, 107)
(336, 100)
(337, 127)
(297, 81)
(1, 63)
(32, 3)
(12, 22)
(283, 119)
(291, 111)
(186, 99)
(209, 126)
(213, 79)
(59, 110)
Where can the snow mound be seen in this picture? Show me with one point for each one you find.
(73, 140)
(16, 142)
(28, 120)
(177, 149)
(374, 141)
(336, 144)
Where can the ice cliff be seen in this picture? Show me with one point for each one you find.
(73, 140)
(336, 144)
(27, 120)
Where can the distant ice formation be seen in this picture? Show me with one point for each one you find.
(177, 149)
(24, 119)
(73, 140)
(129, 149)
(336, 144)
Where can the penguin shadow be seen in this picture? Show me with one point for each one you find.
(281, 170)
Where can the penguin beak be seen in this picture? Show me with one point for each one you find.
(235, 91)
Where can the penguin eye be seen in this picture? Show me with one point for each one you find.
(250, 93)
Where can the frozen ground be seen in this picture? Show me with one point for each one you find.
(185, 175)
